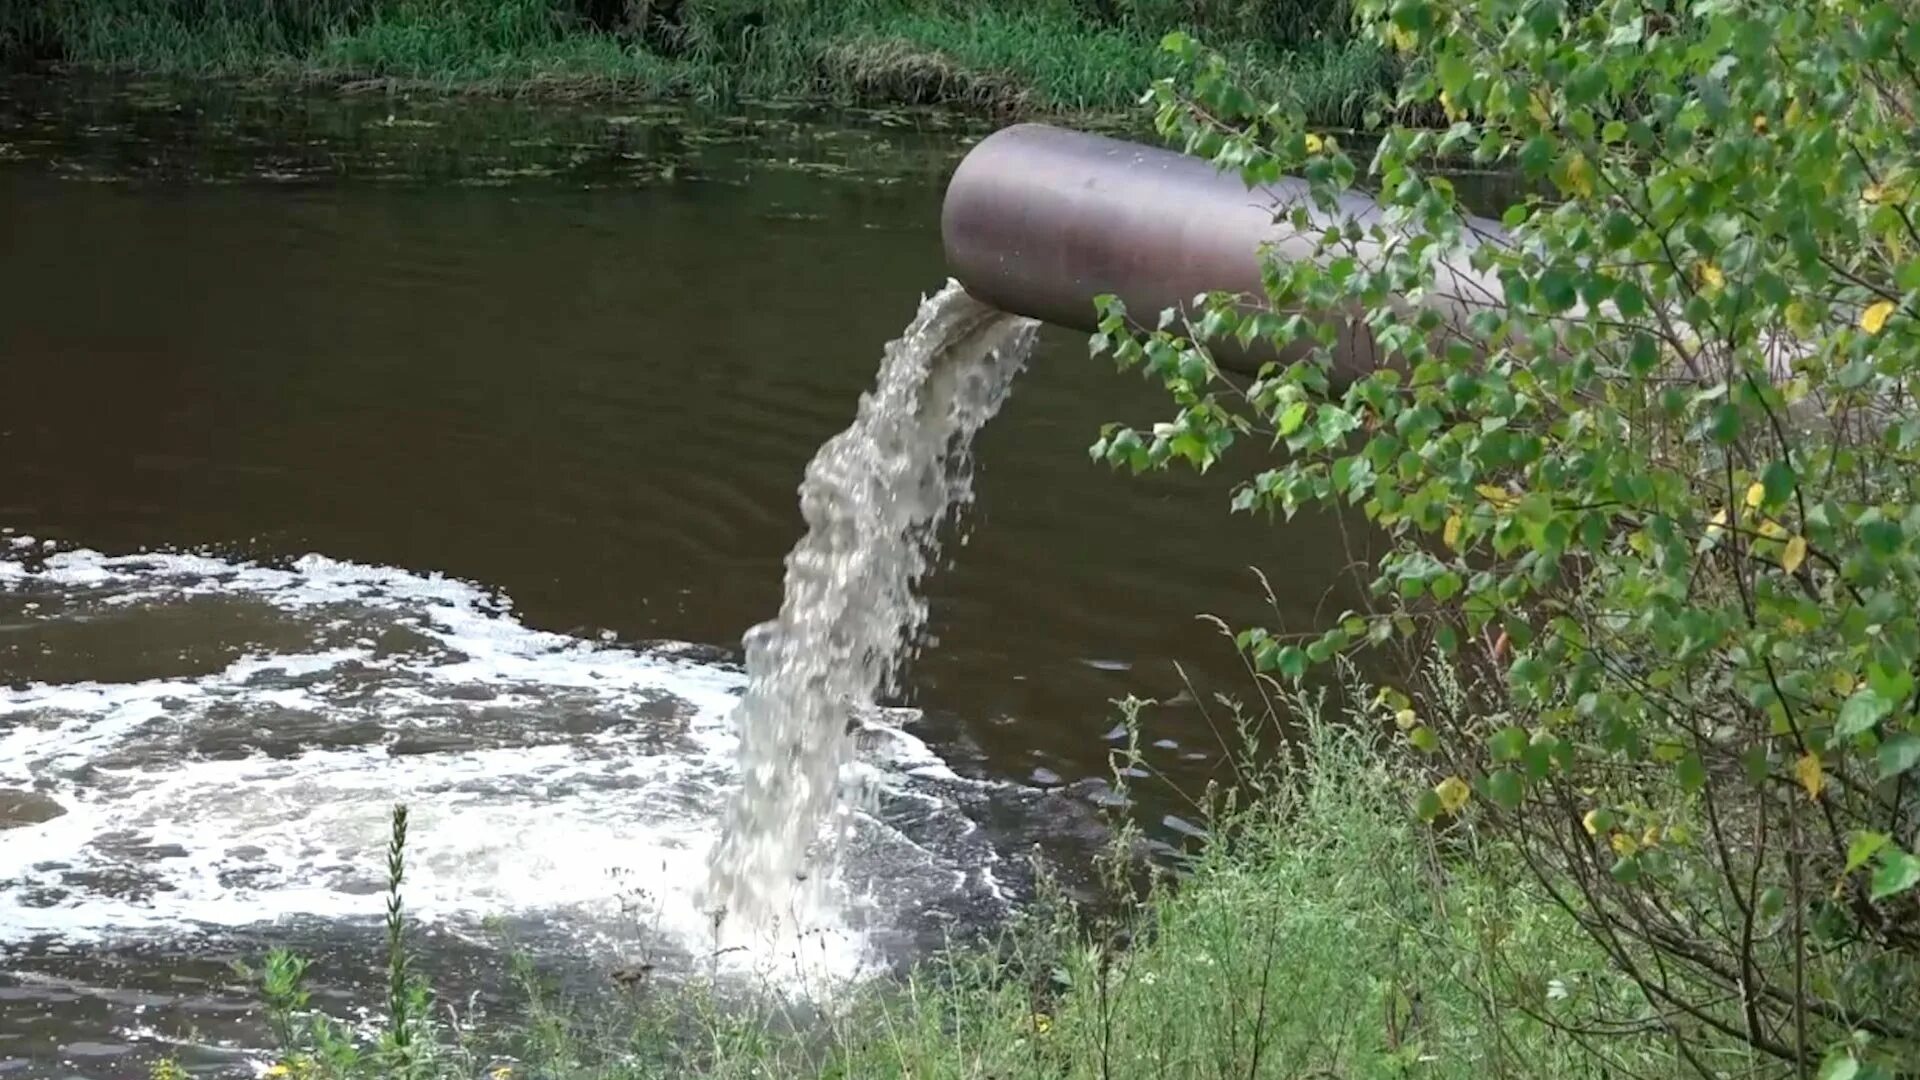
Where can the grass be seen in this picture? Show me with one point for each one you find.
(993, 56)
(1321, 933)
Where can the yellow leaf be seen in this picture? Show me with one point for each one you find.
(1872, 194)
(1591, 822)
(1756, 494)
(1760, 123)
(1772, 529)
(1651, 837)
(1623, 844)
(1402, 41)
(1800, 319)
(1495, 495)
(1794, 555)
(1315, 143)
(1406, 719)
(1537, 107)
(1453, 793)
(1717, 527)
(1793, 113)
(1875, 317)
(1807, 771)
(1710, 276)
(1447, 106)
(1452, 532)
(1579, 176)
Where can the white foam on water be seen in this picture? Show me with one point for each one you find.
(575, 781)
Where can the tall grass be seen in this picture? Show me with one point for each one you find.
(1320, 932)
(995, 55)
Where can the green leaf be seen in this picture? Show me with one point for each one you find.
(1292, 662)
(1691, 772)
(1508, 744)
(1861, 711)
(1427, 806)
(1777, 483)
(1556, 290)
(1291, 418)
(1726, 423)
(1423, 739)
(1882, 537)
(1899, 754)
(1644, 355)
(1629, 299)
(1506, 788)
(1862, 847)
(1897, 872)
(1839, 1065)
(1538, 757)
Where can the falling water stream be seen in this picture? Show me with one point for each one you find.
(874, 498)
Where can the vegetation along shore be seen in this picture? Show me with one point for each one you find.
(995, 57)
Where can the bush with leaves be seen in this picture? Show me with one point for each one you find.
(1655, 492)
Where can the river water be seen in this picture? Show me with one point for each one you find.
(356, 449)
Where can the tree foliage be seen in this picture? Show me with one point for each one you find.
(1648, 458)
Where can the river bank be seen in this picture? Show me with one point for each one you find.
(993, 58)
(1318, 931)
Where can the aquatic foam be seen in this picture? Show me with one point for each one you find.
(574, 781)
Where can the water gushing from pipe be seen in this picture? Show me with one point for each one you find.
(874, 498)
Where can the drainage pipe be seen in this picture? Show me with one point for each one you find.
(1039, 220)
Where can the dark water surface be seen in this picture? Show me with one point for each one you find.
(576, 357)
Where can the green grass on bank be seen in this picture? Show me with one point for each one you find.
(1323, 933)
(1001, 56)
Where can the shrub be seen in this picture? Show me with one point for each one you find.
(1653, 491)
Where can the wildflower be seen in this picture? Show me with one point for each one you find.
(1315, 143)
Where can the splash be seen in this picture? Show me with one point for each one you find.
(874, 498)
(219, 742)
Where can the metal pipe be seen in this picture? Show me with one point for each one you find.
(1040, 220)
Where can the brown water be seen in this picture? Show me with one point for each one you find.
(576, 358)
